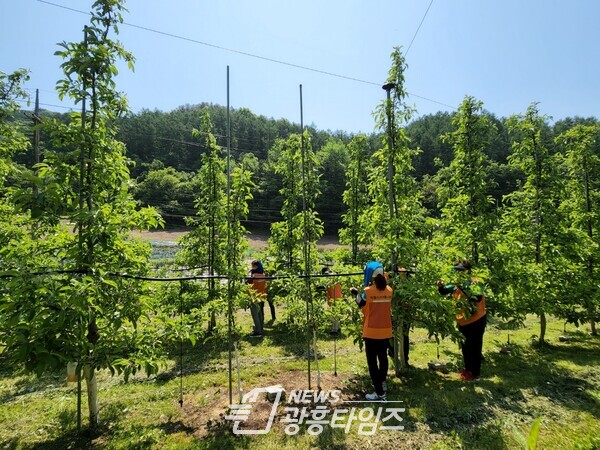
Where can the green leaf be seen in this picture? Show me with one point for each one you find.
(110, 283)
(534, 434)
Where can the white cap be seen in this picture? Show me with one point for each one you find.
(378, 271)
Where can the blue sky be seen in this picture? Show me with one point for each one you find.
(505, 53)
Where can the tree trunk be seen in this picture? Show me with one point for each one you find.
(542, 328)
(399, 351)
(593, 331)
(92, 395)
(212, 324)
(212, 321)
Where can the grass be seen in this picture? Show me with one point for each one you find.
(559, 383)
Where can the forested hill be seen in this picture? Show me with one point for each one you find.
(167, 156)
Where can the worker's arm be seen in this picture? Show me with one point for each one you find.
(445, 289)
(360, 300)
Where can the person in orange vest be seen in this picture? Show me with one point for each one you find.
(376, 305)
(471, 317)
(334, 292)
(258, 296)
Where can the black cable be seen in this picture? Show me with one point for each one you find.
(160, 279)
(8, 273)
(264, 58)
(219, 47)
(48, 104)
(417, 32)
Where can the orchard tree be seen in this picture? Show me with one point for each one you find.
(464, 196)
(391, 221)
(81, 312)
(241, 186)
(218, 241)
(533, 229)
(206, 245)
(286, 238)
(293, 240)
(12, 140)
(355, 196)
(582, 204)
(288, 235)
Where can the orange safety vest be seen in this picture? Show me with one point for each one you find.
(479, 307)
(377, 320)
(259, 285)
(334, 292)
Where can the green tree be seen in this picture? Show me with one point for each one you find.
(466, 203)
(287, 236)
(583, 207)
(391, 222)
(533, 232)
(206, 245)
(163, 188)
(355, 196)
(424, 132)
(333, 161)
(12, 139)
(62, 317)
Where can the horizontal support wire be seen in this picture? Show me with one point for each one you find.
(12, 274)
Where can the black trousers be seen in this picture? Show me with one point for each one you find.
(377, 360)
(472, 347)
(271, 307)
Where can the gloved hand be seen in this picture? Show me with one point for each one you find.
(353, 291)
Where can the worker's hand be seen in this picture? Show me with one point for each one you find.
(440, 283)
(353, 291)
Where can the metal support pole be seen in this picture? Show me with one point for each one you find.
(181, 345)
(398, 334)
(335, 354)
(306, 249)
(79, 372)
(391, 172)
(81, 262)
(230, 255)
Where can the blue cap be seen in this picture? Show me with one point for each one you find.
(372, 269)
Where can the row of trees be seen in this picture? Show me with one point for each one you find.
(67, 258)
(65, 229)
(167, 156)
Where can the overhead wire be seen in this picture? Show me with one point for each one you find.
(48, 104)
(253, 55)
(220, 47)
(418, 28)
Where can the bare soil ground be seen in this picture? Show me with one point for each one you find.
(210, 417)
(256, 240)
